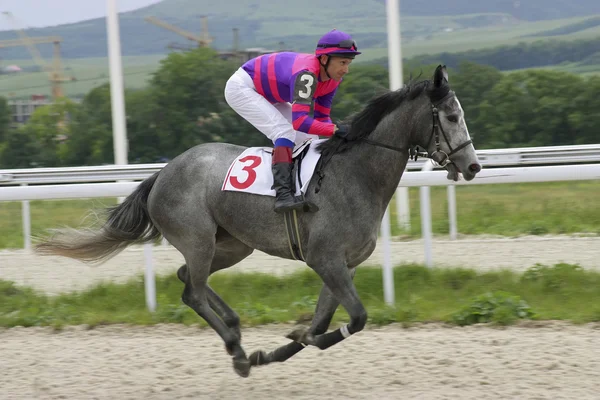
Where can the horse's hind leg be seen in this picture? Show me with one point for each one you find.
(226, 313)
(198, 256)
(217, 304)
(229, 252)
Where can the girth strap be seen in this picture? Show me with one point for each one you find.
(293, 233)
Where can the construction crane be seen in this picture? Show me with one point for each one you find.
(54, 71)
(177, 46)
(203, 41)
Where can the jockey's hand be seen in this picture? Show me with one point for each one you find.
(341, 130)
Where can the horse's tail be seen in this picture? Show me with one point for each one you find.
(127, 223)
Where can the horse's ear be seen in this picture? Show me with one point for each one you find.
(440, 76)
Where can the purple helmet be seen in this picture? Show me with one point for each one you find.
(336, 43)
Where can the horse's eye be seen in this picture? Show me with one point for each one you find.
(452, 118)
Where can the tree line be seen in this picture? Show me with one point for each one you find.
(541, 53)
(183, 106)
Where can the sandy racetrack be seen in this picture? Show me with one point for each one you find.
(546, 361)
(556, 361)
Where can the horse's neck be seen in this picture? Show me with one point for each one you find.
(379, 168)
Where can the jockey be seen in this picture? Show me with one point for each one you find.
(275, 92)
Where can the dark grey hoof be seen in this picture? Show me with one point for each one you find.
(242, 367)
(259, 358)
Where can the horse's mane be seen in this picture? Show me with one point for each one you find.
(365, 121)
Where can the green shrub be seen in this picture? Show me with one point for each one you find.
(554, 278)
(499, 307)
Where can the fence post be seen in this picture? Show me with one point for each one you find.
(452, 211)
(426, 217)
(403, 208)
(149, 281)
(388, 272)
(26, 219)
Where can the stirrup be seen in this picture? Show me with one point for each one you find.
(299, 204)
(308, 206)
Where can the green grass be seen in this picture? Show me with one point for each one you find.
(88, 72)
(562, 292)
(507, 210)
(512, 210)
(461, 40)
(46, 214)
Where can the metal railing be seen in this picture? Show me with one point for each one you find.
(113, 173)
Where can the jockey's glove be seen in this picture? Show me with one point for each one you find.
(341, 130)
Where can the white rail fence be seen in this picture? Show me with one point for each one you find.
(134, 172)
(50, 184)
(523, 156)
(113, 173)
(410, 179)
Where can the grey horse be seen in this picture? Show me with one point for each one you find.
(215, 229)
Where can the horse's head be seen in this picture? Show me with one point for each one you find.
(445, 135)
(425, 114)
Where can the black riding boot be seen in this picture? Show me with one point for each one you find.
(284, 185)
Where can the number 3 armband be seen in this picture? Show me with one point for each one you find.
(304, 87)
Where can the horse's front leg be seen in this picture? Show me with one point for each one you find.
(326, 306)
(338, 279)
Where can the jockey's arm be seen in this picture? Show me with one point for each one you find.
(305, 85)
(323, 107)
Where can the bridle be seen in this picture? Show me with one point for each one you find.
(439, 156)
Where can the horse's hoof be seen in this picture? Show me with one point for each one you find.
(298, 334)
(259, 358)
(242, 367)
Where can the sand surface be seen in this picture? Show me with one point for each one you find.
(550, 361)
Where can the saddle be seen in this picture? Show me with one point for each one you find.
(251, 172)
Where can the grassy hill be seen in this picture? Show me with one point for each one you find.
(527, 10)
(299, 24)
(428, 27)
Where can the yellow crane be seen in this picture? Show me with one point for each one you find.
(203, 41)
(54, 70)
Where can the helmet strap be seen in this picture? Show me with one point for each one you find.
(325, 65)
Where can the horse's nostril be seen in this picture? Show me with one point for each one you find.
(474, 168)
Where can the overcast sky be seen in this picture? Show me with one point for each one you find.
(40, 13)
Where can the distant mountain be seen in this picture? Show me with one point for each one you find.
(266, 23)
(528, 10)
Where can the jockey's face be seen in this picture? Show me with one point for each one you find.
(337, 68)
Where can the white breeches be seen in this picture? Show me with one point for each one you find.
(273, 120)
